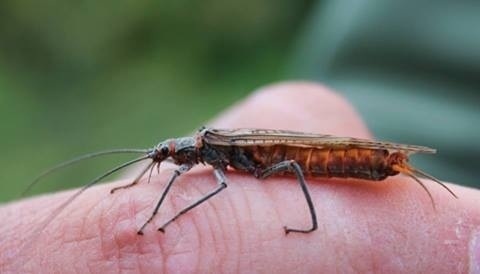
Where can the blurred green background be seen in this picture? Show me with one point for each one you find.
(81, 76)
(77, 77)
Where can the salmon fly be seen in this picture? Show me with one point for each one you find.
(262, 153)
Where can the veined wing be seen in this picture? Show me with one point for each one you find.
(268, 137)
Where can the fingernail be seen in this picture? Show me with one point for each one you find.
(475, 253)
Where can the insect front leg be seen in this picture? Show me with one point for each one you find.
(182, 169)
(222, 184)
(139, 176)
(293, 166)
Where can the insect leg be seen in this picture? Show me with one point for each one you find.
(150, 173)
(293, 166)
(222, 184)
(135, 181)
(182, 169)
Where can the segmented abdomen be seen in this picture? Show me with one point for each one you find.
(370, 164)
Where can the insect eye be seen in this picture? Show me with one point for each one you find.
(164, 151)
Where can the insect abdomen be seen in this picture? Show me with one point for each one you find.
(370, 164)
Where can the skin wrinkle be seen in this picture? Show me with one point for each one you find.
(88, 265)
(372, 231)
(168, 203)
(260, 241)
(364, 217)
(231, 244)
(198, 244)
(127, 214)
(331, 225)
(168, 252)
(343, 256)
(197, 231)
(167, 207)
(138, 251)
(80, 240)
(181, 222)
(229, 248)
(218, 230)
(270, 201)
(236, 224)
(96, 238)
(324, 233)
(178, 237)
(115, 241)
(36, 237)
(323, 207)
(91, 211)
(246, 203)
(247, 219)
(102, 227)
(201, 240)
(130, 208)
(271, 204)
(161, 242)
(243, 249)
(209, 206)
(65, 243)
(296, 196)
(200, 217)
(73, 245)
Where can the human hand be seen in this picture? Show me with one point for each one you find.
(388, 226)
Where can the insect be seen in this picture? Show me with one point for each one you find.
(263, 153)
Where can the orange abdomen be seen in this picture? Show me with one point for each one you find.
(370, 164)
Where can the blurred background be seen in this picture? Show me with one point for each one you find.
(77, 77)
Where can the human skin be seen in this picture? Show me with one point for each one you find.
(386, 227)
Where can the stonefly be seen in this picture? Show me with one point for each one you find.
(265, 152)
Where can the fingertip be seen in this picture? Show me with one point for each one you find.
(303, 106)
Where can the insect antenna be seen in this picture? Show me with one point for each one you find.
(62, 206)
(426, 175)
(94, 181)
(76, 160)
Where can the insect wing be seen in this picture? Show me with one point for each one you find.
(266, 137)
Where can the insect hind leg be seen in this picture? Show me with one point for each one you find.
(291, 165)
